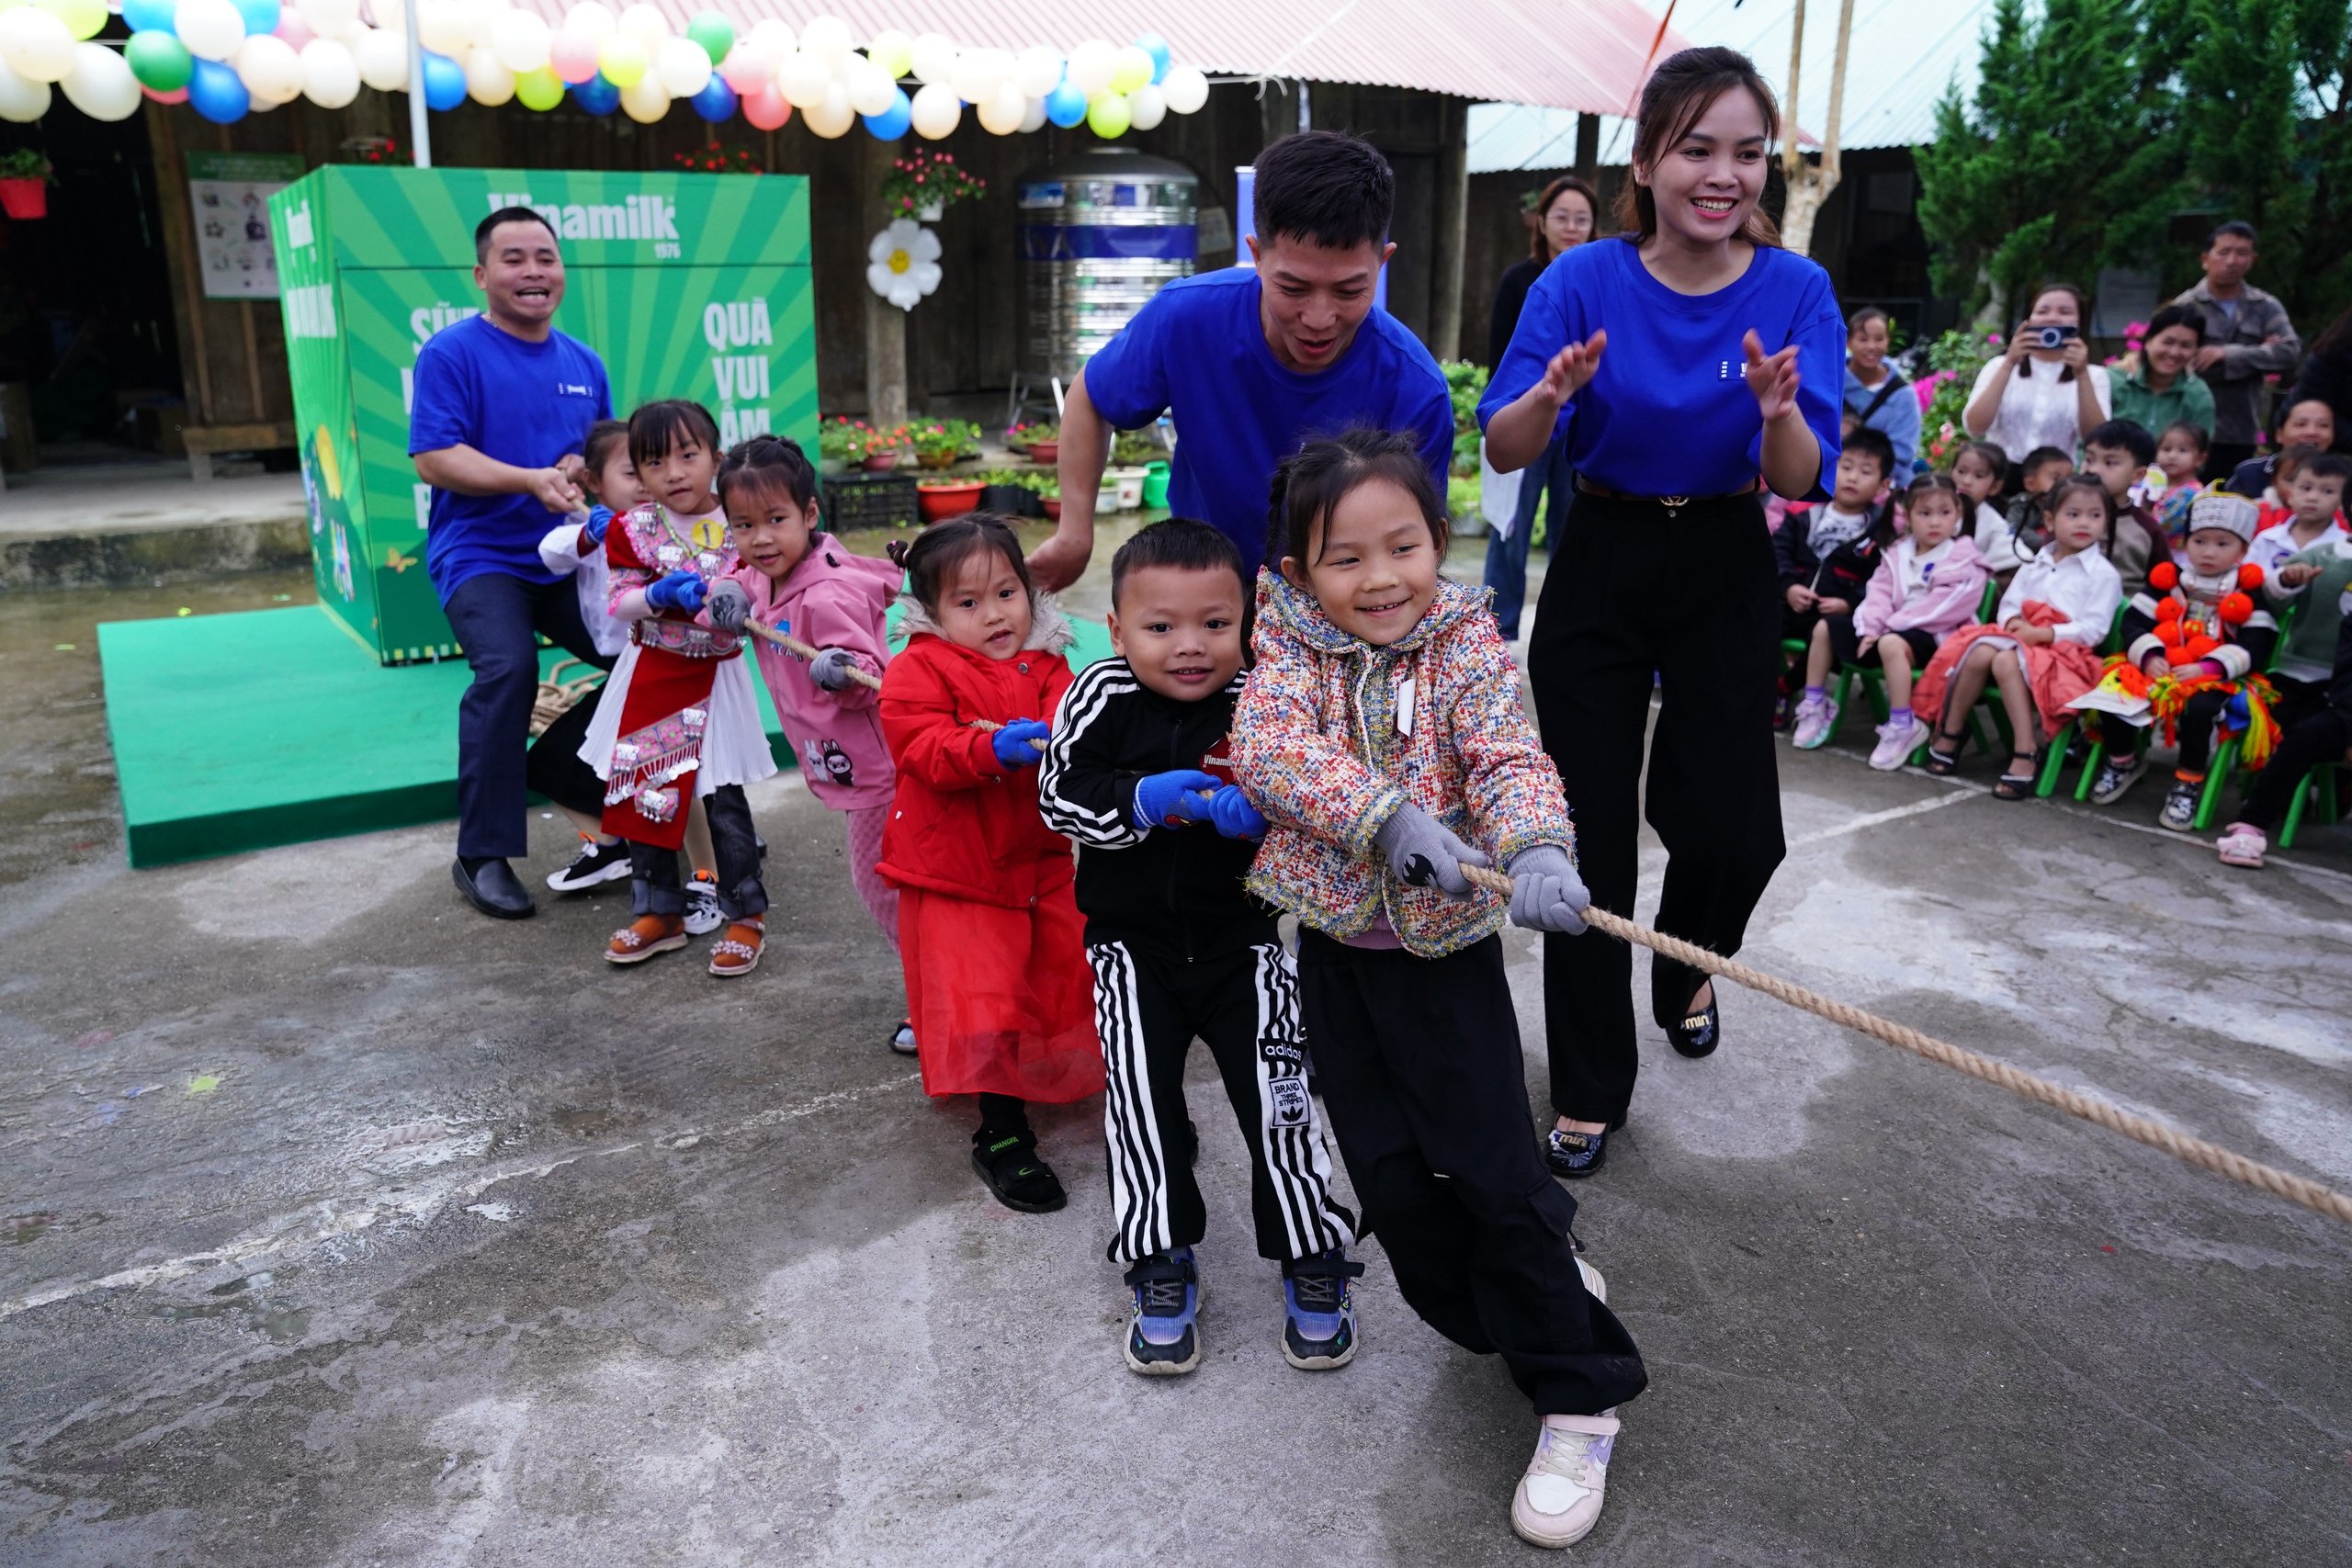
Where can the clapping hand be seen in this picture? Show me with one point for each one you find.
(1771, 378)
(1572, 369)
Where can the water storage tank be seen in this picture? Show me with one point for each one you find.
(1101, 232)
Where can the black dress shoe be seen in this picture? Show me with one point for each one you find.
(494, 889)
(1698, 1034)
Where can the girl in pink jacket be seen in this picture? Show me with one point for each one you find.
(1925, 588)
(798, 579)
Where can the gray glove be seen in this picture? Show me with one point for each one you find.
(1421, 853)
(830, 669)
(727, 605)
(1547, 893)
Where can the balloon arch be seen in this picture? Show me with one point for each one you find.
(227, 59)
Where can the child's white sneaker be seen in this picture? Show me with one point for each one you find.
(1897, 738)
(1816, 716)
(1559, 1498)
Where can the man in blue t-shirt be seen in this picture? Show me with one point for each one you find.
(1252, 363)
(502, 406)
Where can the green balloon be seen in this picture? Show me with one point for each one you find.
(541, 89)
(159, 60)
(714, 32)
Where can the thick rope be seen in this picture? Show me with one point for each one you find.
(993, 726)
(798, 650)
(2312, 1195)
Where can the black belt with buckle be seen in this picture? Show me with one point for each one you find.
(1672, 503)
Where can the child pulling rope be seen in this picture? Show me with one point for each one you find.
(798, 650)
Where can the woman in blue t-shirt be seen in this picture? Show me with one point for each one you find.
(1682, 360)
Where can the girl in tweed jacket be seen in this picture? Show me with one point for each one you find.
(1381, 736)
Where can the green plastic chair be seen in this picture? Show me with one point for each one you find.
(2318, 785)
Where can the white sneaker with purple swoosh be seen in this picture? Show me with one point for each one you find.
(1559, 1498)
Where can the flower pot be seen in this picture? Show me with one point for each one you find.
(938, 459)
(1046, 452)
(931, 212)
(1052, 505)
(940, 501)
(1155, 485)
(1128, 484)
(881, 463)
(23, 198)
(1107, 499)
(1014, 500)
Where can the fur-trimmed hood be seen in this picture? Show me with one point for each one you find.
(1049, 629)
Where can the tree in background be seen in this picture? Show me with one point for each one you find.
(2063, 159)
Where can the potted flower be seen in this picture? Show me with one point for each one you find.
(938, 442)
(25, 177)
(854, 444)
(1017, 437)
(924, 185)
(1044, 443)
(1016, 493)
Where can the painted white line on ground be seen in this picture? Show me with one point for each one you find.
(329, 1218)
(1873, 818)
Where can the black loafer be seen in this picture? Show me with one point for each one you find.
(1574, 1154)
(494, 889)
(1701, 1032)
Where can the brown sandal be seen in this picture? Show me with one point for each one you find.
(644, 937)
(738, 953)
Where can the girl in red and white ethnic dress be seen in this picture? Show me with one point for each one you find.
(998, 984)
(679, 719)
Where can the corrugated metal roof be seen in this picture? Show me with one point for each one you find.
(1572, 54)
(1900, 59)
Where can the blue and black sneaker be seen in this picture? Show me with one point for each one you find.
(1164, 1337)
(1319, 1311)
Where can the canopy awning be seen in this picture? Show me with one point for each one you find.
(1573, 54)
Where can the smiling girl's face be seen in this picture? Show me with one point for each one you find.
(1709, 181)
(1375, 568)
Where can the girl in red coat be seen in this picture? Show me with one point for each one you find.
(998, 986)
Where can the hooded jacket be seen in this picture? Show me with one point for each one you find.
(961, 822)
(830, 599)
(1332, 735)
(1955, 587)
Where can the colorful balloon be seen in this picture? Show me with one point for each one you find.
(37, 46)
(646, 101)
(937, 110)
(260, 16)
(1147, 107)
(330, 75)
(177, 95)
(682, 66)
(716, 102)
(445, 27)
(1066, 105)
(1002, 113)
(714, 32)
(596, 95)
(1032, 115)
(748, 67)
(894, 52)
(538, 90)
(571, 56)
(1108, 115)
(293, 29)
(212, 29)
(623, 60)
(147, 15)
(1091, 66)
(803, 80)
(159, 60)
(83, 18)
(270, 70)
(869, 86)
(831, 117)
(102, 87)
(488, 82)
(444, 82)
(895, 119)
(1131, 68)
(766, 109)
(1156, 47)
(1185, 89)
(934, 57)
(214, 92)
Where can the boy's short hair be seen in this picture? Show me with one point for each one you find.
(603, 437)
(768, 463)
(2176, 316)
(656, 428)
(2195, 432)
(1866, 442)
(1326, 187)
(1184, 543)
(488, 226)
(2124, 435)
(2328, 466)
(2042, 458)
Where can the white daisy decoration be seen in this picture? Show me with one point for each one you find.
(902, 264)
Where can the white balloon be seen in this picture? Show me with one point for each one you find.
(488, 82)
(1033, 115)
(1002, 113)
(1147, 107)
(827, 38)
(445, 27)
(389, 15)
(520, 41)
(38, 47)
(891, 43)
(869, 86)
(382, 57)
(328, 18)
(803, 81)
(481, 19)
(330, 74)
(936, 58)
(645, 100)
(646, 23)
(937, 110)
(101, 85)
(830, 116)
(1037, 70)
(1184, 88)
(22, 101)
(270, 69)
(1091, 66)
(768, 34)
(591, 19)
(684, 66)
(982, 72)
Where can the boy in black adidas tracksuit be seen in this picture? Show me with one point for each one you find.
(1136, 772)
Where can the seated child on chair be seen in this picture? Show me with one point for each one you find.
(1826, 555)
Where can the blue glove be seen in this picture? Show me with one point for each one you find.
(681, 590)
(1234, 817)
(599, 519)
(1011, 743)
(1172, 799)
(1546, 895)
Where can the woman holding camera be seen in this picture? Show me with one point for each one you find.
(2043, 390)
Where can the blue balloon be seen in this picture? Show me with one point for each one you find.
(444, 82)
(1156, 47)
(215, 92)
(716, 102)
(1066, 105)
(597, 95)
(261, 16)
(893, 122)
(148, 16)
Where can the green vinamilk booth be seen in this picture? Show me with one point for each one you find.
(689, 285)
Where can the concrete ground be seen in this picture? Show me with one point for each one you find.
(349, 1228)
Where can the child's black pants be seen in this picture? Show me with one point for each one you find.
(654, 888)
(1421, 1073)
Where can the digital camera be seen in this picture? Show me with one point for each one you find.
(2049, 337)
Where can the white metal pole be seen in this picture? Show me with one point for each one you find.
(419, 133)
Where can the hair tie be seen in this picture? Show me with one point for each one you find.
(898, 550)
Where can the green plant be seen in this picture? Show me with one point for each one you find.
(944, 438)
(850, 440)
(25, 164)
(1465, 383)
(924, 178)
(1036, 480)
(1133, 449)
(1953, 361)
(1462, 496)
(1028, 435)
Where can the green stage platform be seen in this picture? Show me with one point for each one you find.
(276, 727)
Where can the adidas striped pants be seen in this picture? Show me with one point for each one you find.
(1150, 1004)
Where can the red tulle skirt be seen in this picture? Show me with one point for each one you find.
(1001, 999)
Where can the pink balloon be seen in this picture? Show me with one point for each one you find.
(177, 96)
(766, 110)
(293, 29)
(747, 68)
(572, 56)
